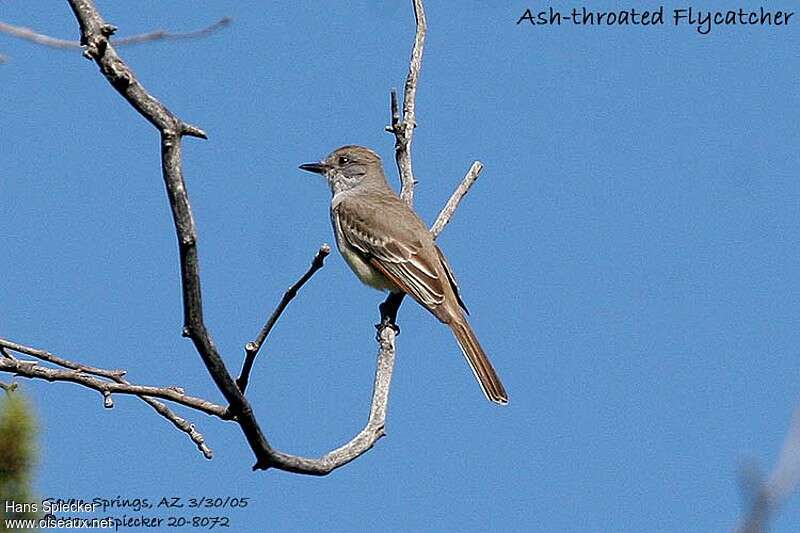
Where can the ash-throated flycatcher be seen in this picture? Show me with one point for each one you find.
(390, 248)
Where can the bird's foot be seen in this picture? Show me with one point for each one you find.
(388, 311)
(387, 322)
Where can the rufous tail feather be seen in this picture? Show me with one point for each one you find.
(476, 357)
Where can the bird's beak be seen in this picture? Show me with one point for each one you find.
(317, 168)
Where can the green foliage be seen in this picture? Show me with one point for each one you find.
(17, 452)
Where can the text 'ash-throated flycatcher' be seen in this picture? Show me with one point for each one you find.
(390, 248)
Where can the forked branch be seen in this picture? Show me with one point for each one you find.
(96, 41)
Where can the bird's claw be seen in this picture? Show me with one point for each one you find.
(387, 322)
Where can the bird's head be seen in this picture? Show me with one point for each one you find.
(348, 167)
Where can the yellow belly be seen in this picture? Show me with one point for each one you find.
(368, 274)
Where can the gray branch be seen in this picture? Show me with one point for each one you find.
(92, 378)
(461, 191)
(403, 126)
(95, 39)
(158, 35)
(95, 33)
(368, 436)
(251, 348)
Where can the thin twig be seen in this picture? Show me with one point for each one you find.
(117, 375)
(157, 35)
(182, 424)
(452, 204)
(60, 361)
(403, 127)
(30, 369)
(251, 348)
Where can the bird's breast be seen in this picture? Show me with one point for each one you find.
(365, 272)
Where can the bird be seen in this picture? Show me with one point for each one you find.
(389, 248)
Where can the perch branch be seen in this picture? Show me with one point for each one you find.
(368, 436)
(95, 33)
(402, 127)
(157, 35)
(251, 348)
(94, 36)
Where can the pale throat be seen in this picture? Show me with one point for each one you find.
(342, 183)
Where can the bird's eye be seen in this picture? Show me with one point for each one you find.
(343, 159)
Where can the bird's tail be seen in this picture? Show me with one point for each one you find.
(476, 357)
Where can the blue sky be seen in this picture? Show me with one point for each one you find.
(629, 256)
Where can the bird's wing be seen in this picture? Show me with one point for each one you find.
(397, 250)
(452, 278)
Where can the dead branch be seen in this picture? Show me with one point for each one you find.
(368, 436)
(158, 35)
(101, 380)
(403, 126)
(96, 379)
(251, 348)
(117, 375)
(95, 33)
(95, 39)
(452, 204)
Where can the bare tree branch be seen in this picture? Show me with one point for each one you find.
(91, 378)
(117, 375)
(452, 204)
(403, 127)
(251, 348)
(6, 344)
(157, 35)
(368, 436)
(95, 33)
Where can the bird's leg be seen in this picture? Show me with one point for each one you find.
(389, 310)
